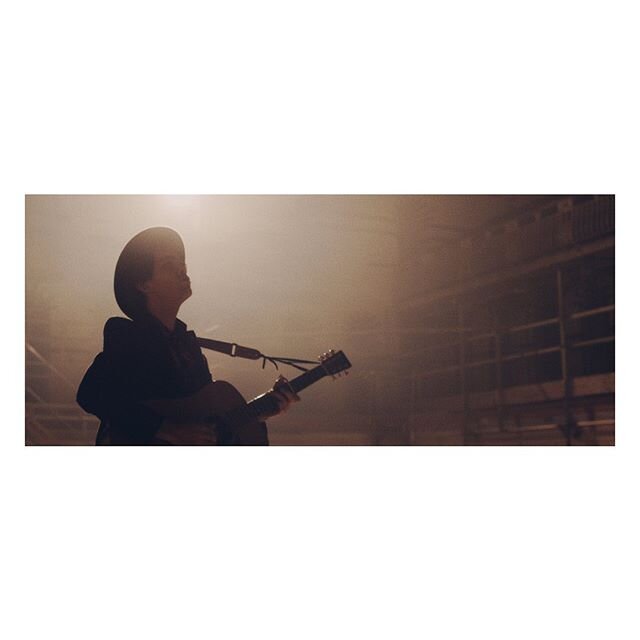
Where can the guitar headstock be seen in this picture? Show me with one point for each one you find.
(335, 363)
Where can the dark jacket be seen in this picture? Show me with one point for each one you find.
(140, 361)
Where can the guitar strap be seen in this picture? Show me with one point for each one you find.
(236, 351)
(230, 348)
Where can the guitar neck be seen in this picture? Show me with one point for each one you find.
(308, 378)
(268, 404)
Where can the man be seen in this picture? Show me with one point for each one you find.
(152, 357)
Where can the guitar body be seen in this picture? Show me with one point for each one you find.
(228, 400)
(211, 406)
(223, 417)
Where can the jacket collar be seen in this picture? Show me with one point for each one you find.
(151, 322)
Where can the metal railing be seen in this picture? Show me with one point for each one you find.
(541, 233)
(501, 358)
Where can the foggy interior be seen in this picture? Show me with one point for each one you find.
(289, 275)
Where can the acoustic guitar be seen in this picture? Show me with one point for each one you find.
(233, 420)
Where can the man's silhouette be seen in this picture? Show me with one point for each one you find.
(151, 355)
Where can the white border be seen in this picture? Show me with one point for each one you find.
(345, 97)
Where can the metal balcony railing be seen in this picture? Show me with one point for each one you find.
(536, 234)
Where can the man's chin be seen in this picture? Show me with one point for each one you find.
(186, 295)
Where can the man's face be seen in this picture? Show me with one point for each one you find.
(169, 284)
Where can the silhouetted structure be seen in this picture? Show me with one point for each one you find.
(525, 307)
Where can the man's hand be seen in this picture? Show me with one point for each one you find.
(284, 395)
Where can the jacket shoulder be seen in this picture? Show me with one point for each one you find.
(118, 325)
(119, 332)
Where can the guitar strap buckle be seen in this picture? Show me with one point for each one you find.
(236, 351)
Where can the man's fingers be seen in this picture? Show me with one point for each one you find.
(282, 386)
(289, 395)
(283, 402)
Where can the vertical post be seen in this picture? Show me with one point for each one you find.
(413, 409)
(462, 342)
(499, 385)
(564, 355)
(374, 406)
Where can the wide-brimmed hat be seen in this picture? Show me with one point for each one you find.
(135, 266)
